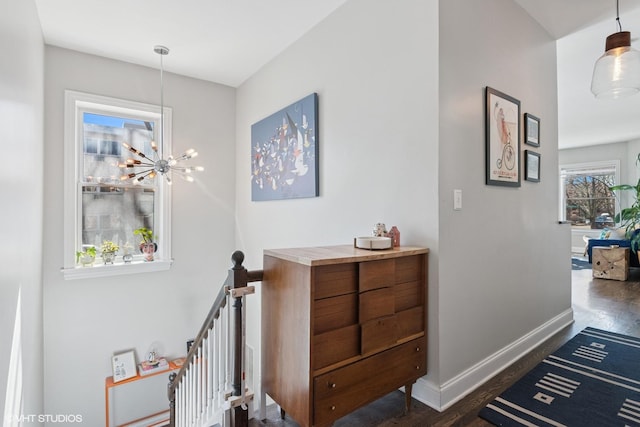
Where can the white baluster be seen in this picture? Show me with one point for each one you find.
(216, 367)
(226, 349)
(191, 391)
(205, 357)
(210, 382)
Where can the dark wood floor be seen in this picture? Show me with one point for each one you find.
(599, 303)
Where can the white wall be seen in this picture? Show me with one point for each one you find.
(21, 106)
(504, 259)
(87, 320)
(374, 67)
(378, 87)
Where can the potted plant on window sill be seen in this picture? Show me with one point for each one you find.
(86, 256)
(629, 218)
(109, 250)
(147, 246)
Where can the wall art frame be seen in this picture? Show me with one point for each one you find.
(532, 166)
(531, 130)
(502, 138)
(284, 153)
(124, 366)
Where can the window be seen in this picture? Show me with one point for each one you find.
(587, 201)
(99, 205)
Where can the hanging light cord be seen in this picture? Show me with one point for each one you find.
(162, 105)
(618, 15)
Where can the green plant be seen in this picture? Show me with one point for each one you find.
(91, 250)
(145, 233)
(629, 217)
(109, 246)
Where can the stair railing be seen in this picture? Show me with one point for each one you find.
(210, 386)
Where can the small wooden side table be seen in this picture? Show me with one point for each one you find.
(610, 262)
(138, 399)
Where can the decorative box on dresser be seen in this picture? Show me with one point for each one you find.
(341, 327)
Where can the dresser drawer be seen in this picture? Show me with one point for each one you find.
(410, 322)
(341, 391)
(376, 303)
(379, 334)
(336, 279)
(409, 269)
(408, 295)
(335, 346)
(335, 312)
(376, 274)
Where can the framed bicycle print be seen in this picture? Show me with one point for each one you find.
(532, 166)
(531, 130)
(502, 134)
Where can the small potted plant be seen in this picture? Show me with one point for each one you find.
(86, 256)
(147, 245)
(109, 250)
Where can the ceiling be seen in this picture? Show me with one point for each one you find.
(224, 41)
(227, 41)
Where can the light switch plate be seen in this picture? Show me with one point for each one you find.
(457, 200)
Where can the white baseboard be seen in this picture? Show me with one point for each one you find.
(442, 397)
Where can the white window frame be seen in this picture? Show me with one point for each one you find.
(595, 165)
(76, 103)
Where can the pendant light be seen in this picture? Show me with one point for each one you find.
(616, 74)
(150, 167)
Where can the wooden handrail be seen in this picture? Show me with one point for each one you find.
(238, 277)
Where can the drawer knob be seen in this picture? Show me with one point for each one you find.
(417, 367)
(417, 349)
(332, 385)
(333, 408)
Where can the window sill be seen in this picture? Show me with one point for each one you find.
(118, 269)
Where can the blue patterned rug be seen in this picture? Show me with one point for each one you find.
(580, 264)
(592, 380)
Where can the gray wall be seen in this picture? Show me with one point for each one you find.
(21, 105)
(384, 100)
(374, 67)
(515, 280)
(87, 320)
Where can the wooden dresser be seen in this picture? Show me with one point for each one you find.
(341, 327)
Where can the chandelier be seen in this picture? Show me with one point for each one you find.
(147, 167)
(617, 73)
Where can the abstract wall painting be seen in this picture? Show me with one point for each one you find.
(284, 153)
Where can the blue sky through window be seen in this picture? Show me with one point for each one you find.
(115, 122)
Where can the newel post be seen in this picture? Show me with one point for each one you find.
(238, 276)
(172, 400)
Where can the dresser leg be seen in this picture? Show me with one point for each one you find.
(282, 413)
(407, 397)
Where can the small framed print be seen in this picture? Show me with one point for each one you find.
(532, 166)
(531, 130)
(124, 366)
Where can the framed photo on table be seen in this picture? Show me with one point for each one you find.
(531, 130)
(532, 166)
(502, 135)
(124, 366)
